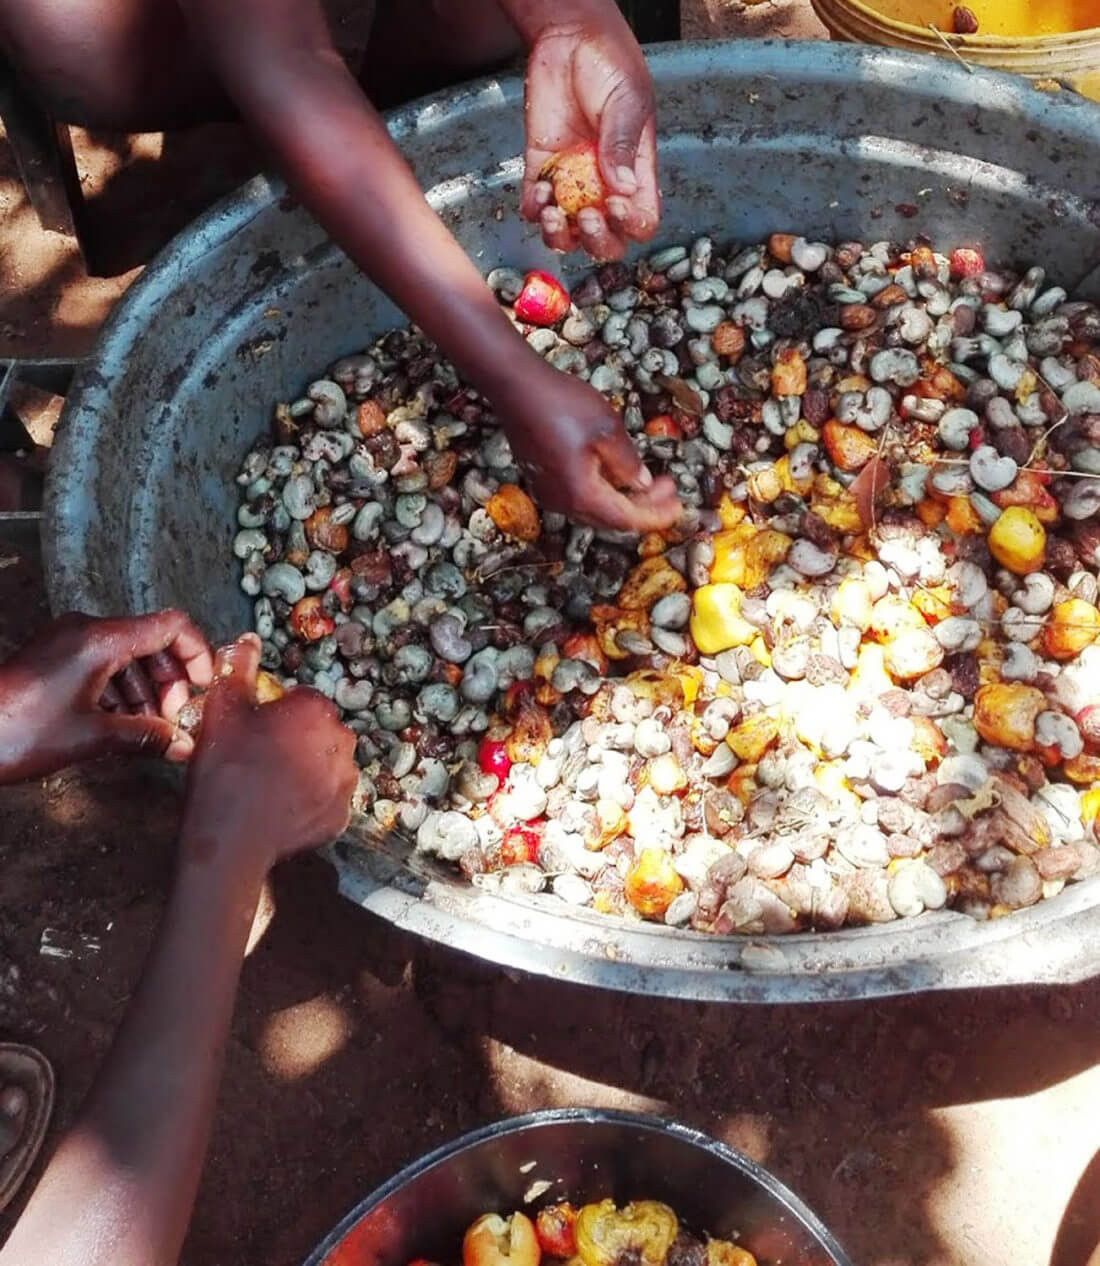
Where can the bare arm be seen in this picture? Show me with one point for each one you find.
(277, 62)
(120, 1189)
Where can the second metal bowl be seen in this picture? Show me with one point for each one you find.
(585, 1155)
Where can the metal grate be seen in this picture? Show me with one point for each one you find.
(53, 376)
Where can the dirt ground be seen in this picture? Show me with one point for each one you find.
(937, 1131)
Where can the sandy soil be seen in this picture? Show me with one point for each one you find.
(945, 1131)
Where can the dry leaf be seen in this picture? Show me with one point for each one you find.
(684, 395)
(868, 486)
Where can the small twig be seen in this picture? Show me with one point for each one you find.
(881, 449)
(1040, 622)
(949, 46)
(480, 579)
(1040, 443)
(1032, 470)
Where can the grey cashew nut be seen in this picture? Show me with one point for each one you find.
(575, 674)
(393, 714)
(719, 716)
(438, 702)
(1037, 594)
(1020, 663)
(356, 374)
(1018, 626)
(353, 696)
(409, 509)
(895, 365)
(475, 784)
(672, 611)
(430, 528)
(329, 402)
(957, 633)
(480, 678)
(1055, 729)
(282, 580)
(320, 569)
(448, 642)
(263, 618)
(989, 470)
(1083, 500)
(299, 496)
(970, 582)
(809, 559)
(955, 427)
(413, 663)
(720, 763)
(247, 541)
(447, 835)
(434, 780)
(874, 410)
(515, 664)
(470, 720)
(328, 446)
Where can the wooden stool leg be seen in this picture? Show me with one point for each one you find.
(43, 157)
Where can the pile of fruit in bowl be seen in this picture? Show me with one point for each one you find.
(641, 1233)
(857, 682)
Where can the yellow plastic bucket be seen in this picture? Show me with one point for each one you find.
(1054, 40)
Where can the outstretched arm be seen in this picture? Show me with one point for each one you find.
(120, 1189)
(277, 62)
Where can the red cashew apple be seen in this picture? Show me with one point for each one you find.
(543, 300)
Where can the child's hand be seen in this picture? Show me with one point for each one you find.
(267, 780)
(588, 81)
(573, 447)
(59, 704)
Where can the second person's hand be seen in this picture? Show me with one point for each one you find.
(573, 447)
(269, 780)
(86, 688)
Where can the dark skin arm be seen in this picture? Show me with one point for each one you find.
(278, 64)
(120, 1189)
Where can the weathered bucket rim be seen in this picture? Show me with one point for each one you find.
(533, 1121)
(1065, 41)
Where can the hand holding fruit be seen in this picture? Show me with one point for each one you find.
(591, 177)
(88, 688)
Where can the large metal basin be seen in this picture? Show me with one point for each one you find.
(248, 304)
(585, 1155)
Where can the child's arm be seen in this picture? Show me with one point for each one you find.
(265, 782)
(277, 62)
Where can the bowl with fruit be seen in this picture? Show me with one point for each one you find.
(586, 1187)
